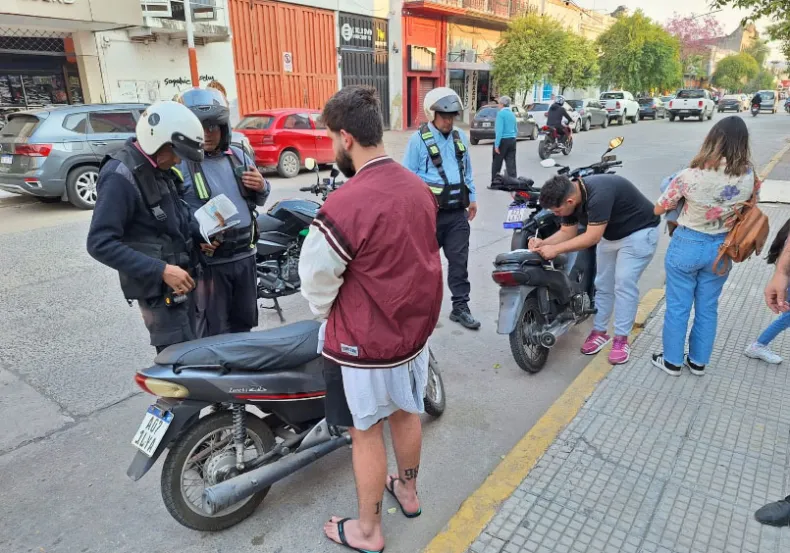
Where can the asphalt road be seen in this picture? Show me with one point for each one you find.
(70, 346)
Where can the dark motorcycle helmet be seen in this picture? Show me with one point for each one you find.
(211, 107)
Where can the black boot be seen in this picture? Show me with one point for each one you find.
(463, 316)
(775, 514)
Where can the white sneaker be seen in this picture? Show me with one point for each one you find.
(759, 351)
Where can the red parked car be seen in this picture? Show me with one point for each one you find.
(284, 138)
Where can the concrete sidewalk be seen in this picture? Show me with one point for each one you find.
(656, 464)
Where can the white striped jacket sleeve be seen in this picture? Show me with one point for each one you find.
(321, 270)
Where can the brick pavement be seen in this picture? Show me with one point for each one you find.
(656, 464)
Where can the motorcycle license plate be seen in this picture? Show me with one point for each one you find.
(152, 430)
(7, 159)
(515, 217)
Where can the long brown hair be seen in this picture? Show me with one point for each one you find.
(218, 86)
(727, 140)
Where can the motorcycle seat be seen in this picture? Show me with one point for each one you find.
(278, 349)
(527, 257)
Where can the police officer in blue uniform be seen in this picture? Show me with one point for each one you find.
(438, 153)
(141, 225)
(226, 294)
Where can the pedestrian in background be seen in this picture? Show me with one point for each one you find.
(506, 130)
(438, 153)
(371, 265)
(720, 179)
(760, 349)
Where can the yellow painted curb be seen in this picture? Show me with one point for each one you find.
(480, 507)
(774, 160)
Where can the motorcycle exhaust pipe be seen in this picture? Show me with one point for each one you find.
(548, 338)
(223, 495)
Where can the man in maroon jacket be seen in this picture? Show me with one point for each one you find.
(371, 265)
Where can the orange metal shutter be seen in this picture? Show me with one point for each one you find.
(263, 32)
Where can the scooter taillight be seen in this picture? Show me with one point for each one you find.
(505, 278)
(160, 388)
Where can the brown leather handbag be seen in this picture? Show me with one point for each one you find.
(747, 237)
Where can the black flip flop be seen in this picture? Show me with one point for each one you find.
(342, 535)
(391, 489)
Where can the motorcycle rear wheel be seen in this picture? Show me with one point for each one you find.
(530, 357)
(543, 150)
(193, 444)
(435, 398)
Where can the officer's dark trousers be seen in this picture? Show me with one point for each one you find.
(507, 153)
(452, 232)
(227, 298)
(169, 325)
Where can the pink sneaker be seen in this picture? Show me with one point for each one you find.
(621, 351)
(595, 342)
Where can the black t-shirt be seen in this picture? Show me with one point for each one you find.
(613, 200)
(556, 115)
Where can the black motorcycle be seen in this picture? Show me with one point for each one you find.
(551, 142)
(755, 109)
(540, 300)
(282, 231)
(239, 412)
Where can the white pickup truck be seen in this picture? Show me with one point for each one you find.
(620, 105)
(692, 102)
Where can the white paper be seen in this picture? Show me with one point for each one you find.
(207, 216)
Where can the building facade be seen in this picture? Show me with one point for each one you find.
(48, 54)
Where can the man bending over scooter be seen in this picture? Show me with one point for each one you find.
(620, 220)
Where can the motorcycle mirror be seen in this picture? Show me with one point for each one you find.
(616, 142)
(310, 164)
(548, 163)
(334, 172)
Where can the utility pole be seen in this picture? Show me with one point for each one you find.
(193, 66)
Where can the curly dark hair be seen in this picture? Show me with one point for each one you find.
(356, 110)
(556, 190)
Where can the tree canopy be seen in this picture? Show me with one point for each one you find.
(694, 34)
(639, 55)
(579, 67)
(734, 71)
(527, 52)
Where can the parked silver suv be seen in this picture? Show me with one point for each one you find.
(54, 153)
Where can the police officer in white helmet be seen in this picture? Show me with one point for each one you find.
(142, 227)
(438, 153)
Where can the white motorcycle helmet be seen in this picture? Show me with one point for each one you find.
(443, 100)
(171, 123)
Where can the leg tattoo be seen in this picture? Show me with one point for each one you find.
(411, 474)
(378, 508)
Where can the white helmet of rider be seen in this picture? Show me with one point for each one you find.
(443, 100)
(560, 100)
(172, 123)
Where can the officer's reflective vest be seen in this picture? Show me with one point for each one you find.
(172, 248)
(451, 195)
(235, 241)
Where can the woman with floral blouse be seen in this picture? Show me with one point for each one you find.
(719, 181)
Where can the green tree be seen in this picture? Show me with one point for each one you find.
(579, 68)
(734, 71)
(764, 80)
(639, 55)
(527, 53)
(759, 51)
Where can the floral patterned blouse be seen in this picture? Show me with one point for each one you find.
(711, 197)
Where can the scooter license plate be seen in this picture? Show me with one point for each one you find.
(152, 430)
(515, 217)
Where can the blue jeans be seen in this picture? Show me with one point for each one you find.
(774, 329)
(620, 264)
(691, 281)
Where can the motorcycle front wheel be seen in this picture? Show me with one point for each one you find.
(205, 456)
(435, 399)
(531, 357)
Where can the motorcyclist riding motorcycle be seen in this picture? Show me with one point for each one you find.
(555, 116)
(757, 100)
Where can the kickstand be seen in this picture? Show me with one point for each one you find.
(275, 307)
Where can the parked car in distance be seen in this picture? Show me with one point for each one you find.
(483, 124)
(284, 138)
(770, 100)
(620, 105)
(54, 153)
(653, 108)
(540, 111)
(731, 102)
(591, 113)
(692, 102)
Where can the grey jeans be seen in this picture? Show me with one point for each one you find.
(620, 265)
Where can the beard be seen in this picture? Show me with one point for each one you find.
(345, 164)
